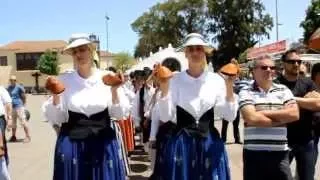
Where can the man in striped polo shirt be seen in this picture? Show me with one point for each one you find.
(266, 108)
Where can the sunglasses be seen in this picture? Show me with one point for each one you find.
(195, 48)
(293, 61)
(272, 68)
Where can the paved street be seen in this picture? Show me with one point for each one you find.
(33, 161)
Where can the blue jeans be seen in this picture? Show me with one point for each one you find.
(304, 156)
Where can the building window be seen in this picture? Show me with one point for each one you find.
(27, 61)
(3, 61)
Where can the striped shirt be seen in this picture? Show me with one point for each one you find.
(239, 84)
(266, 138)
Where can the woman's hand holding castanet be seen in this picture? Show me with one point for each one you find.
(229, 72)
(163, 75)
(55, 87)
(115, 81)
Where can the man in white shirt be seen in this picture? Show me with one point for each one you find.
(5, 116)
(139, 109)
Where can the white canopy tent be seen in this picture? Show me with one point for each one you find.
(159, 56)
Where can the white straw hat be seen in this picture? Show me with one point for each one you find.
(195, 39)
(77, 40)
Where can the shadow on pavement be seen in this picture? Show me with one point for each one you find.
(138, 168)
(140, 158)
(138, 177)
(138, 152)
(20, 140)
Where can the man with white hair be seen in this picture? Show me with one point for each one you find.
(266, 108)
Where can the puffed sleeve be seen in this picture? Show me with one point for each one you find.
(130, 94)
(155, 117)
(121, 109)
(135, 110)
(227, 110)
(5, 96)
(55, 114)
(167, 104)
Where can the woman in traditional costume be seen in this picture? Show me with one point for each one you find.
(86, 147)
(188, 145)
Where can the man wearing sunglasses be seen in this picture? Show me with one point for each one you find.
(266, 108)
(300, 133)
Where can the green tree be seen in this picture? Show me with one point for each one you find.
(233, 24)
(168, 22)
(123, 61)
(49, 63)
(243, 57)
(236, 25)
(312, 20)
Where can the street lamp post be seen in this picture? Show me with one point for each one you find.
(277, 23)
(107, 31)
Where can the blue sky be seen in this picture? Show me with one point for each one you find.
(58, 19)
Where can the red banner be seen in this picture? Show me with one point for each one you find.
(276, 47)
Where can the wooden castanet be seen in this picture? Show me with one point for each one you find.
(163, 72)
(54, 85)
(160, 73)
(230, 69)
(112, 80)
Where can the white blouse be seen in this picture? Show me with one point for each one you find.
(196, 96)
(155, 122)
(4, 99)
(148, 93)
(87, 96)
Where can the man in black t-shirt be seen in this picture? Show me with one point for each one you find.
(300, 133)
(315, 76)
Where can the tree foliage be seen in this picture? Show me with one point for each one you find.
(123, 61)
(49, 63)
(233, 25)
(236, 25)
(168, 22)
(312, 20)
(243, 57)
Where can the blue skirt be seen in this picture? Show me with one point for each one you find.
(89, 159)
(186, 157)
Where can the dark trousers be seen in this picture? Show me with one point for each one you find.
(266, 165)
(146, 129)
(316, 149)
(235, 123)
(304, 156)
(3, 126)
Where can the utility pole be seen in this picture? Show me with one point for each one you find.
(107, 31)
(277, 22)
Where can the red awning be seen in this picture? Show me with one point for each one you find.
(314, 41)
